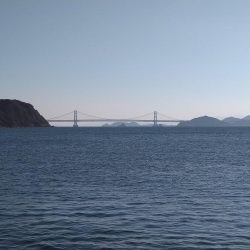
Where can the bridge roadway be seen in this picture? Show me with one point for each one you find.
(115, 120)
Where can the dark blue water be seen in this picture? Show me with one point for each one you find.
(125, 188)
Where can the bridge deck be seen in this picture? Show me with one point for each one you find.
(114, 120)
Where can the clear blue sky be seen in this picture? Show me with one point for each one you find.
(184, 58)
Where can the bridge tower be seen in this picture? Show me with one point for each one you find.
(75, 125)
(155, 119)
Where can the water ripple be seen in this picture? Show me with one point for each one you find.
(166, 188)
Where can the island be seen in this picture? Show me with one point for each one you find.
(122, 124)
(15, 113)
(238, 122)
(204, 121)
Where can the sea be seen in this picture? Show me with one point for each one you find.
(125, 188)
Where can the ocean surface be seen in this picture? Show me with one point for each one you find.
(125, 188)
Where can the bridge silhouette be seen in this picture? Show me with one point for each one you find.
(92, 118)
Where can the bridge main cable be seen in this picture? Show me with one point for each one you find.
(57, 117)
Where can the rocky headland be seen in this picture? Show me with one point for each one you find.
(14, 113)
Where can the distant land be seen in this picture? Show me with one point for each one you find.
(130, 124)
(232, 121)
(203, 121)
(206, 121)
(122, 124)
(14, 113)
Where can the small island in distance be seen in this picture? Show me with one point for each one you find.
(15, 113)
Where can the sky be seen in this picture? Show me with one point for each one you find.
(123, 58)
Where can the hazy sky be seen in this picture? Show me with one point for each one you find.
(122, 58)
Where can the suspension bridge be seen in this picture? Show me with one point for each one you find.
(153, 118)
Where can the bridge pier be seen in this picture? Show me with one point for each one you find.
(155, 119)
(75, 125)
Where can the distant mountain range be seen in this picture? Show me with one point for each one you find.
(203, 121)
(206, 121)
(244, 122)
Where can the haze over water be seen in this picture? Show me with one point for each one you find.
(125, 188)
